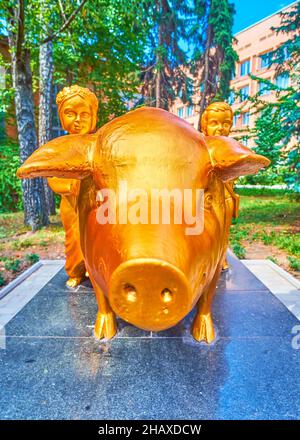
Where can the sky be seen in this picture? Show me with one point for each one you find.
(249, 12)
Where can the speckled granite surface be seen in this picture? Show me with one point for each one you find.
(52, 368)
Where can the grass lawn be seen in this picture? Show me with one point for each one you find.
(19, 247)
(267, 227)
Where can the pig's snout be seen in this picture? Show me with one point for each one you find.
(150, 293)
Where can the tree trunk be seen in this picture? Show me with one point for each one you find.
(205, 75)
(158, 75)
(35, 209)
(45, 109)
(33, 189)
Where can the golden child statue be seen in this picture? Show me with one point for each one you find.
(77, 107)
(217, 120)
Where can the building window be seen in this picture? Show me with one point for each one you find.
(235, 119)
(190, 110)
(263, 88)
(244, 93)
(245, 68)
(245, 118)
(265, 60)
(282, 80)
(180, 112)
(231, 98)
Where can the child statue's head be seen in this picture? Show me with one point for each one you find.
(217, 119)
(77, 108)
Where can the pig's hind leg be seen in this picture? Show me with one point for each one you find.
(203, 328)
(106, 324)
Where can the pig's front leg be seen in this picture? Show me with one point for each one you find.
(106, 324)
(203, 328)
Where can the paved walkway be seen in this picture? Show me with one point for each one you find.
(52, 368)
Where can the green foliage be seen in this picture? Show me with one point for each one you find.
(103, 48)
(263, 192)
(166, 23)
(22, 244)
(221, 19)
(277, 129)
(32, 258)
(104, 51)
(267, 220)
(213, 59)
(239, 250)
(276, 134)
(235, 239)
(2, 280)
(13, 265)
(294, 263)
(269, 135)
(10, 185)
(273, 259)
(273, 175)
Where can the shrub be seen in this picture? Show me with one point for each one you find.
(294, 263)
(13, 265)
(2, 280)
(271, 192)
(239, 250)
(32, 258)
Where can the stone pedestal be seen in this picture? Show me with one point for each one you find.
(53, 368)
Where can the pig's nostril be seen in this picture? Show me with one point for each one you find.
(166, 295)
(130, 292)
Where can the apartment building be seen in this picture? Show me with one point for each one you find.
(253, 47)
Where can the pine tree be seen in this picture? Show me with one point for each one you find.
(282, 117)
(213, 60)
(163, 73)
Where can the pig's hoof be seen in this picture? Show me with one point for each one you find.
(105, 326)
(203, 328)
(73, 282)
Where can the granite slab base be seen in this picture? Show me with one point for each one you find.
(53, 368)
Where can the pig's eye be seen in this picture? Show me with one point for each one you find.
(208, 200)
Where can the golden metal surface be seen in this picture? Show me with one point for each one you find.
(150, 274)
(77, 107)
(217, 120)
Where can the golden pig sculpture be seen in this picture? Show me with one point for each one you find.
(217, 120)
(77, 108)
(151, 274)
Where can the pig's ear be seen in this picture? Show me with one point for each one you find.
(67, 156)
(231, 159)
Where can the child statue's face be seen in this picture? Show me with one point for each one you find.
(218, 123)
(76, 116)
